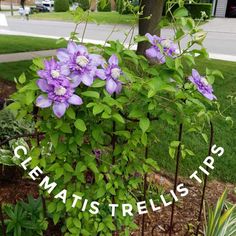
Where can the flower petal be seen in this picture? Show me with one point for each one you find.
(152, 52)
(74, 80)
(87, 79)
(43, 102)
(65, 70)
(100, 73)
(63, 55)
(72, 47)
(82, 50)
(195, 74)
(150, 37)
(96, 60)
(113, 60)
(119, 87)
(75, 100)
(43, 85)
(111, 86)
(59, 109)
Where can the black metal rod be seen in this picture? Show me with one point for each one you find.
(176, 177)
(145, 186)
(205, 181)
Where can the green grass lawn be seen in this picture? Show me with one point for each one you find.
(15, 43)
(225, 166)
(98, 17)
(10, 70)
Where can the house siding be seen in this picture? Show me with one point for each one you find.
(221, 8)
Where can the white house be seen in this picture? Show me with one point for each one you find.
(224, 8)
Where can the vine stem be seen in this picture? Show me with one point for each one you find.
(20, 136)
(2, 221)
(176, 176)
(85, 27)
(205, 180)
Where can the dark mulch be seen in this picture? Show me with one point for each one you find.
(186, 210)
(6, 88)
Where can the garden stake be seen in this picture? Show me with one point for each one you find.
(205, 181)
(145, 186)
(2, 221)
(176, 177)
(113, 143)
(35, 113)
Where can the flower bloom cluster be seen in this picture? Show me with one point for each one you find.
(202, 85)
(60, 78)
(160, 48)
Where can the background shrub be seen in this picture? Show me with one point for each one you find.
(61, 5)
(195, 9)
(122, 8)
(104, 5)
(84, 4)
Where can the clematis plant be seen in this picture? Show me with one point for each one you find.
(83, 66)
(59, 79)
(160, 48)
(111, 73)
(202, 85)
(111, 138)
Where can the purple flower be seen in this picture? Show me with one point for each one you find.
(59, 95)
(53, 71)
(111, 73)
(82, 64)
(160, 48)
(202, 85)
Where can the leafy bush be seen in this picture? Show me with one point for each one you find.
(10, 126)
(61, 5)
(127, 6)
(84, 4)
(221, 220)
(25, 218)
(196, 10)
(104, 5)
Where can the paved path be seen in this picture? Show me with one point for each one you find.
(23, 56)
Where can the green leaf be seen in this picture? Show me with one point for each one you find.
(144, 124)
(70, 113)
(80, 125)
(98, 108)
(68, 167)
(22, 78)
(180, 12)
(65, 128)
(117, 117)
(91, 94)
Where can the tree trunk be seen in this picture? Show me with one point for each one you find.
(113, 5)
(154, 9)
(93, 5)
